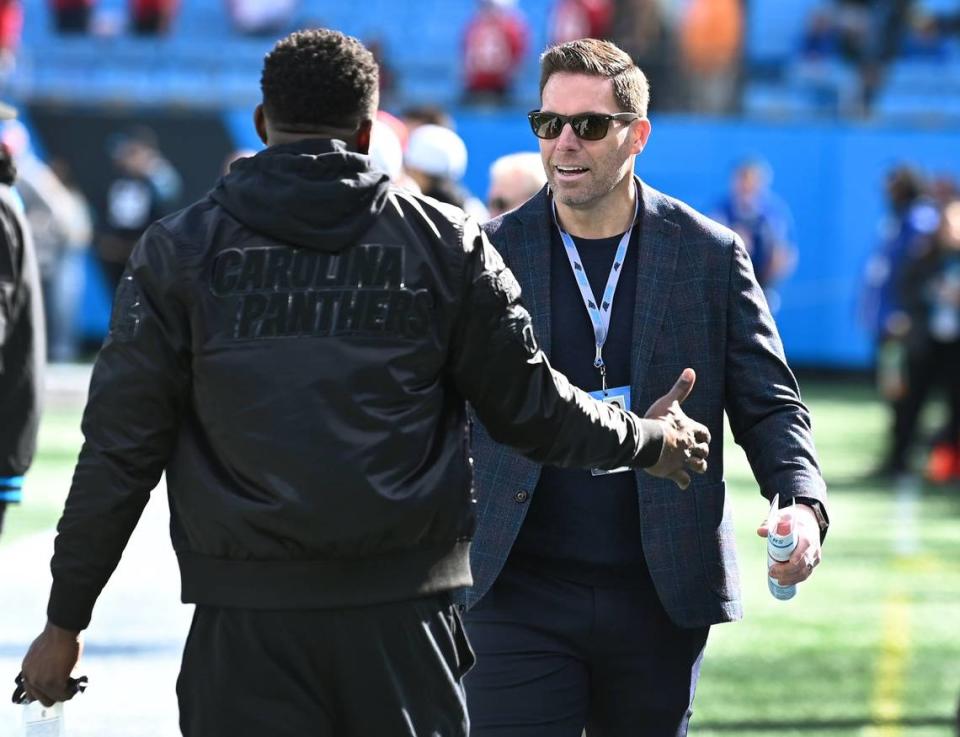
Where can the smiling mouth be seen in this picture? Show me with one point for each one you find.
(570, 170)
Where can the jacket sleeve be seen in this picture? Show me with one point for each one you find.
(767, 417)
(140, 383)
(9, 270)
(520, 399)
(22, 349)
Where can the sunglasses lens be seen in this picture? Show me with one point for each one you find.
(590, 127)
(587, 127)
(545, 125)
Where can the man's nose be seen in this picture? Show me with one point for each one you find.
(567, 139)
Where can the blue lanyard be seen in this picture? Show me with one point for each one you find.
(599, 316)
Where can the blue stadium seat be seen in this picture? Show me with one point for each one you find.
(774, 28)
(919, 106)
(778, 101)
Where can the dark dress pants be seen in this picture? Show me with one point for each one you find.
(391, 670)
(555, 656)
(929, 364)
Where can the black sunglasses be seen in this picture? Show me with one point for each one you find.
(588, 126)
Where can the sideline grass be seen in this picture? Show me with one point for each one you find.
(875, 634)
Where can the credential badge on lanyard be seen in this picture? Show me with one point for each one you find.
(599, 314)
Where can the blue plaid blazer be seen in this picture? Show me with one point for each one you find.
(698, 304)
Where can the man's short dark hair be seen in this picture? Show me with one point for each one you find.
(319, 78)
(598, 58)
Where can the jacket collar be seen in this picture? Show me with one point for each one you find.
(527, 239)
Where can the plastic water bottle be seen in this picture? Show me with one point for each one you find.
(781, 542)
(43, 721)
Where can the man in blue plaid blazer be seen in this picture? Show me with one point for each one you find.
(593, 592)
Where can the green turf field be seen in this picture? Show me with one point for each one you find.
(870, 647)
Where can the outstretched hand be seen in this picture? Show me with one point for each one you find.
(686, 443)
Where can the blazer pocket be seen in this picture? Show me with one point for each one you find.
(718, 550)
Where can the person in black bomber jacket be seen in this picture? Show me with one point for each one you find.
(296, 351)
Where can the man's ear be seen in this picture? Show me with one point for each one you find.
(640, 135)
(363, 136)
(260, 123)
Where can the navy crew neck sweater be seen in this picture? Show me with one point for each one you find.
(580, 526)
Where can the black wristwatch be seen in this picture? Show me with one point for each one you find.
(819, 511)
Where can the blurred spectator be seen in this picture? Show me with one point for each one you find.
(573, 19)
(887, 21)
(418, 115)
(60, 226)
(71, 16)
(949, 23)
(70, 275)
(911, 218)
(436, 159)
(11, 28)
(764, 223)
(386, 151)
(145, 188)
(944, 189)
(821, 37)
(852, 20)
(388, 79)
(644, 30)
(848, 45)
(262, 17)
(21, 337)
(399, 128)
(152, 17)
(930, 295)
(923, 39)
(911, 221)
(823, 70)
(514, 179)
(387, 142)
(711, 35)
(494, 43)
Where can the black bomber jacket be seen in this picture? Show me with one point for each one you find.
(296, 351)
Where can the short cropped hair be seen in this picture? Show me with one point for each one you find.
(319, 78)
(598, 58)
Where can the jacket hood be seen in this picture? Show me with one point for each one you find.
(312, 193)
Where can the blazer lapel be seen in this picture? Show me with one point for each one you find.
(528, 251)
(658, 252)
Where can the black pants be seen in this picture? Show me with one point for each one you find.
(390, 670)
(555, 656)
(3, 511)
(929, 365)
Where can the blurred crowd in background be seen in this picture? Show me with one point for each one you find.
(843, 59)
(834, 57)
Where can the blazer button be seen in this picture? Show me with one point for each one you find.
(521, 496)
